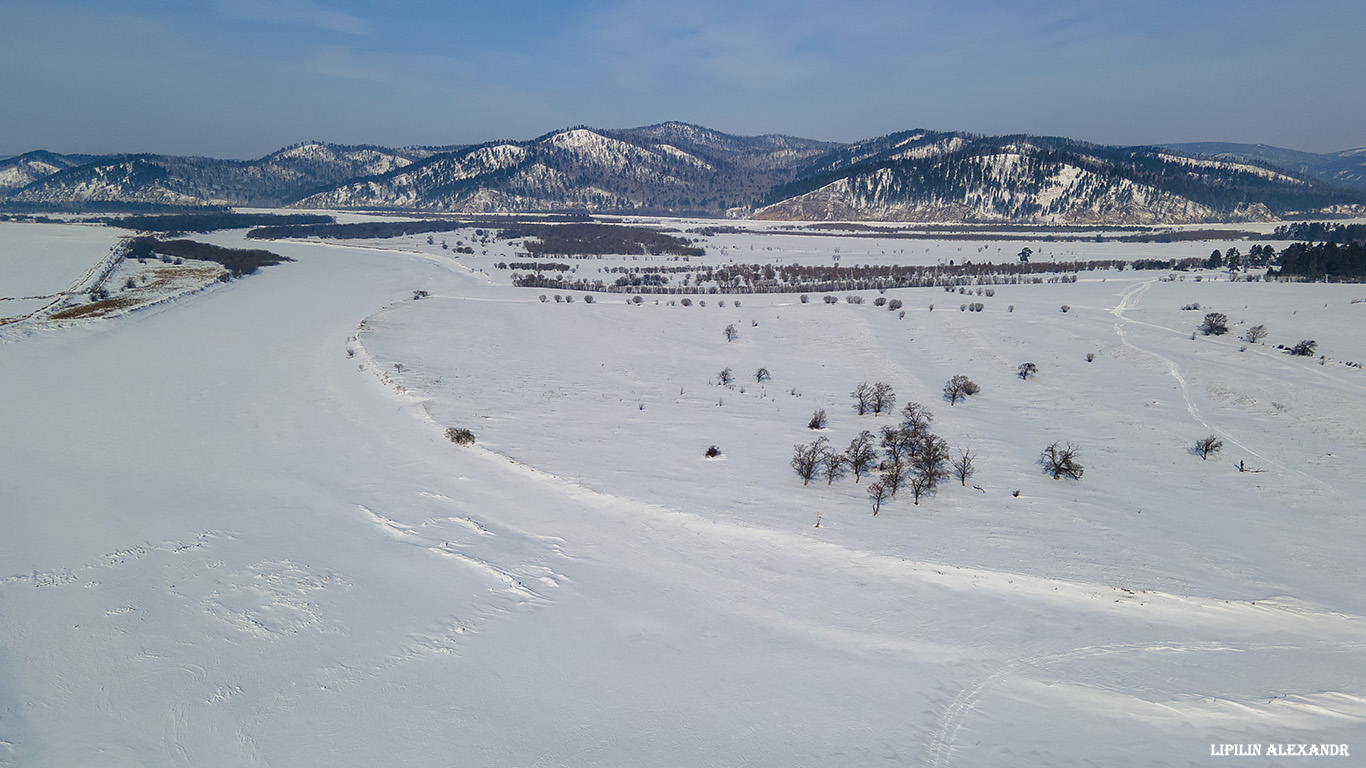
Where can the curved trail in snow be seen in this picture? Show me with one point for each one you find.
(1127, 302)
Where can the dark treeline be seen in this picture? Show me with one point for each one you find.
(209, 222)
(1321, 232)
(364, 230)
(237, 261)
(1332, 261)
(379, 230)
(107, 206)
(598, 239)
(800, 278)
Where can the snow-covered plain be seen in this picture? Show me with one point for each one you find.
(40, 261)
(234, 534)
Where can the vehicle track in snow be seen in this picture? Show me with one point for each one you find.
(1127, 302)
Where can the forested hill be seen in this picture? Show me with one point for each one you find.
(682, 169)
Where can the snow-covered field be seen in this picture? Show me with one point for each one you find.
(234, 534)
(40, 261)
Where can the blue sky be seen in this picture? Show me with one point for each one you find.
(240, 78)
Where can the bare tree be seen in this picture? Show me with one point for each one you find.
(833, 464)
(898, 442)
(1255, 334)
(731, 333)
(1305, 348)
(920, 485)
(1214, 324)
(930, 460)
(959, 387)
(818, 419)
(1026, 370)
(861, 454)
(1207, 445)
(916, 418)
(883, 398)
(862, 395)
(878, 493)
(1061, 461)
(725, 376)
(762, 375)
(894, 474)
(806, 458)
(964, 466)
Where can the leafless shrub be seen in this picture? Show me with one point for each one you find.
(459, 435)
(877, 491)
(861, 454)
(963, 466)
(1207, 445)
(959, 387)
(1061, 461)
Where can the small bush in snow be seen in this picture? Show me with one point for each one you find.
(1061, 461)
(459, 435)
(1304, 348)
(726, 376)
(1090, 357)
(1255, 334)
(804, 298)
(731, 333)
(1066, 308)
(686, 302)
(1026, 370)
(880, 301)
(762, 375)
(1214, 324)
(959, 388)
(818, 419)
(588, 299)
(1207, 445)
(712, 452)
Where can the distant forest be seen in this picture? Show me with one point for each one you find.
(237, 261)
(210, 222)
(598, 239)
(1332, 261)
(379, 230)
(1321, 232)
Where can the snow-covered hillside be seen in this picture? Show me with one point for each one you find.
(235, 534)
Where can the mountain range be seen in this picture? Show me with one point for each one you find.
(682, 169)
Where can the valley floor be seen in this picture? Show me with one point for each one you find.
(234, 533)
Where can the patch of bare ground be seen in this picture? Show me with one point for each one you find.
(152, 285)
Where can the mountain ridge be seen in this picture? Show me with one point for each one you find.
(678, 168)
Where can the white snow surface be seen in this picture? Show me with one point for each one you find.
(232, 532)
(39, 262)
